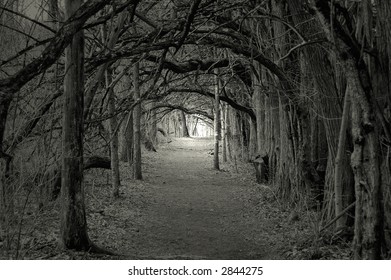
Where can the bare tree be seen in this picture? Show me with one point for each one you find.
(217, 121)
(137, 168)
(73, 217)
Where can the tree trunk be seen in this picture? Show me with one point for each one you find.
(368, 228)
(126, 139)
(5, 162)
(330, 88)
(259, 113)
(73, 217)
(6, 193)
(115, 176)
(195, 131)
(228, 132)
(137, 171)
(244, 137)
(52, 177)
(6, 186)
(217, 122)
(382, 88)
(175, 123)
(185, 130)
(153, 125)
(46, 193)
(365, 161)
(252, 150)
(129, 137)
(339, 162)
(236, 135)
(224, 132)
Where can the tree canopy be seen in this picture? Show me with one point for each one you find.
(302, 85)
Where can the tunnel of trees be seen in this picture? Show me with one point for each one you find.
(300, 89)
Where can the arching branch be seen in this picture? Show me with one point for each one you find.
(53, 51)
(191, 64)
(224, 98)
(190, 111)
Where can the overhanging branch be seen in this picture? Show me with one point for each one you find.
(226, 99)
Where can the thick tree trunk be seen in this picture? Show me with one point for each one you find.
(365, 161)
(368, 228)
(73, 217)
(137, 171)
(52, 177)
(6, 192)
(382, 87)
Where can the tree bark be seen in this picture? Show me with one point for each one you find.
(368, 228)
(217, 121)
(73, 217)
(252, 150)
(259, 113)
(130, 138)
(365, 161)
(137, 170)
(153, 125)
(339, 161)
(115, 176)
(228, 132)
(5, 162)
(6, 192)
(126, 132)
(224, 131)
(52, 177)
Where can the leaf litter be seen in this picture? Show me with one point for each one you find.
(183, 209)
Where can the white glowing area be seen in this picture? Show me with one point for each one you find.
(202, 129)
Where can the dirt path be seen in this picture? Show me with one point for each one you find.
(183, 209)
(187, 210)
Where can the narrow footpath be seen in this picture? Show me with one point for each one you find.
(183, 209)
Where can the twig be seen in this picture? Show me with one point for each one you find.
(28, 18)
(303, 44)
(339, 216)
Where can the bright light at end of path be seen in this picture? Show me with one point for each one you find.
(202, 130)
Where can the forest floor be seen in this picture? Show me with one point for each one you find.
(184, 209)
